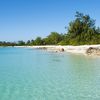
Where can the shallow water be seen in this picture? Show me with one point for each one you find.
(27, 74)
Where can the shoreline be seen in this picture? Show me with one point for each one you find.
(82, 49)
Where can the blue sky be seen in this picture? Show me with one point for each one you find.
(27, 19)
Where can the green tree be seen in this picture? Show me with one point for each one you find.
(32, 42)
(28, 42)
(81, 24)
(21, 43)
(54, 38)
(82, 30)
(38, 41)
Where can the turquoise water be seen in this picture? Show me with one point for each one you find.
(27, 74)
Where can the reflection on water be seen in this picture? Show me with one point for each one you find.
(38, 75)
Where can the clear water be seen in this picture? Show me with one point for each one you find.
(27, 74)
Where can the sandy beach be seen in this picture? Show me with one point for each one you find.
(72, 49)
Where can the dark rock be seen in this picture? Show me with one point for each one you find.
(62, 50)
(93, 51)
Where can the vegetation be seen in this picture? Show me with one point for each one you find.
(3, 43)
(81, 31)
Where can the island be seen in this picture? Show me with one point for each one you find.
(82, 37)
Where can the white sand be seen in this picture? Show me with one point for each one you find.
(72, 49)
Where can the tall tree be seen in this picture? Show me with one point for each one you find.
(81, 24)
(83, 30)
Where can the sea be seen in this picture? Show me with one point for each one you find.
(33, 74)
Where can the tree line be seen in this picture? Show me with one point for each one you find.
(81, 31)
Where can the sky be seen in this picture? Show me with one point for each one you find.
(27, 19)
